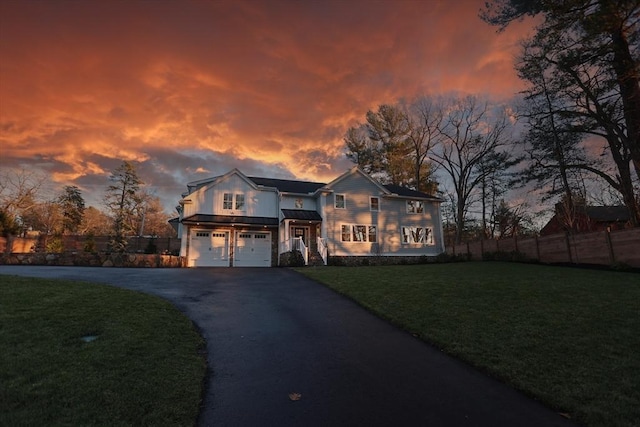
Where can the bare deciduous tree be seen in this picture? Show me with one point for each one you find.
(474, 136)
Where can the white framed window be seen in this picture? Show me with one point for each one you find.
(232, 201)
(359, 233)
(373, 233)
(374, 204)
(299, 204)
(417, 235)
(340, 201)
(415, 206)
(239, 202)
(346, 233)
(227, 202)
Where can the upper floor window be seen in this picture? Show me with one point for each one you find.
(374, 204)
(232, 201)
(239, 202)
(299, 204)
(340, 201)
(415, 206)
(228, 201)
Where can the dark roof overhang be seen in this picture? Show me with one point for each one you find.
(408, 192)
(301, 214)
(230, 220)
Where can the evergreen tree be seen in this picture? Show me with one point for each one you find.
(72, 204)
(122, 200)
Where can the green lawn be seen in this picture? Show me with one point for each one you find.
(145, 366)
(566, 336)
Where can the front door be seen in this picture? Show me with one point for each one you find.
(302, 232)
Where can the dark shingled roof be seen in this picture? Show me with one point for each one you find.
(608, 213)
(288, 185)
(407, 192)
(301, 214)
(229, 219)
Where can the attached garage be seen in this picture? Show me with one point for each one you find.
(252, 249)
(209, 248)
(229, 241)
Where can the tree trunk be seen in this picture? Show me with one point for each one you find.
(629, 83)
(459, 220)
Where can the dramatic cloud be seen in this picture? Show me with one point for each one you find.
(191, 89)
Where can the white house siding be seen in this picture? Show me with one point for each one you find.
(257, 202)
(357, 190)
(200, 201)
(394, 216)
(208, 200)
(288, 201)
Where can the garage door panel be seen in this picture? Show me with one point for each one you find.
(252, 249)
(209, 249)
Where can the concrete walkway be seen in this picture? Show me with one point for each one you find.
(271, 332)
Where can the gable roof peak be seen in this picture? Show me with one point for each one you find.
(354, 170)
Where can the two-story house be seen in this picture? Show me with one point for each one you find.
(236, 220)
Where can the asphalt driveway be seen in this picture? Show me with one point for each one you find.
(271, 332)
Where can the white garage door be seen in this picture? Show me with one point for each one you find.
(253, 249)
(209, 249)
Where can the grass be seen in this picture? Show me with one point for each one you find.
(145, 367)
(565, 336)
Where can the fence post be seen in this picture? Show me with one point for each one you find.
(468, 251)
(607, 234)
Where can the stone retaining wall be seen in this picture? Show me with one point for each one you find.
(97, 259)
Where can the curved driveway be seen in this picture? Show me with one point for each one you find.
(271, 332)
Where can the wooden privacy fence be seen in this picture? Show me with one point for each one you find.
(600, 247)
(21, 245)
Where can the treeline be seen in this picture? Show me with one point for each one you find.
(129, 209)
(580, 113)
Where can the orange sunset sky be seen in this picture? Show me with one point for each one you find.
(191, 89)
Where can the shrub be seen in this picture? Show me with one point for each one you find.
(90, 243)
(292, 259)
(55, 245)
(446, 257)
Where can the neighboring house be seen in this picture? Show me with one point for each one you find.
(589, 218)
(236, 220)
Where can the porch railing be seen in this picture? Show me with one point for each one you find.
(322, 249)
(298, 244)
(295, 244)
